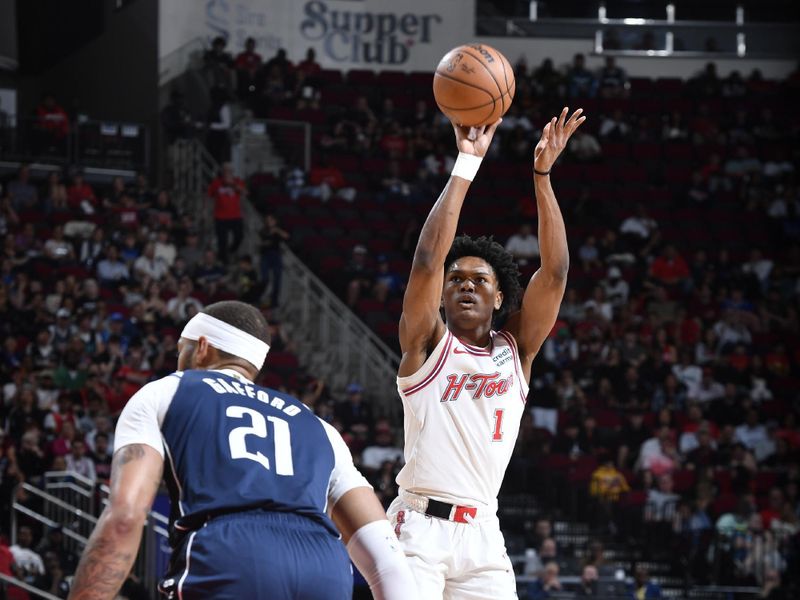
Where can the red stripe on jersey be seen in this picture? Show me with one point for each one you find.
(477, 350)
(439, 365)
(512, 344)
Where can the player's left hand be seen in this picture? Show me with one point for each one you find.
(554, 138)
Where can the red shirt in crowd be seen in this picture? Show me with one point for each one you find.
(78, 193)
(248, 61)
(227, 197)
(670, 271)
(53, 119)
(330, 175)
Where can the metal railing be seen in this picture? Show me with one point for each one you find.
(86, 142)
(7, 581)
(266, 145)
(71, 489)
(342, 348)
(193, 169)
(77, 524)
(733, 34)
(176, 62)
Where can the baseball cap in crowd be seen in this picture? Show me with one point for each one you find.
(354, 388)
(117, 316)
(359, 249)
(63, 313)
(614, 273)
(383, 427)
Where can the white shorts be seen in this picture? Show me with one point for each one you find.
(454, 561)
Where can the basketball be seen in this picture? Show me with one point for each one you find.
(474, 85)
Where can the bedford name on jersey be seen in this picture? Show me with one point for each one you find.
(221, 386)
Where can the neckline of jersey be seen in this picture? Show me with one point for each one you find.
(485, 349)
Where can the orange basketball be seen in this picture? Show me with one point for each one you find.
(474, 85)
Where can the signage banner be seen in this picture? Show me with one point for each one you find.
(406, 35)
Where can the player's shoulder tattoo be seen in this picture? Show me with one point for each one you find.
(129, 453)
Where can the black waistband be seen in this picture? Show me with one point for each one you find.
(440, 510)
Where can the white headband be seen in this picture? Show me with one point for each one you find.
(227, 338)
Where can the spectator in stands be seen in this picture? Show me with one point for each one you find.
(219, 121)
(751, 433)
(662, 500)
(57, 249)
(271, 239)
(111, 271)
(658, 454)
(247, 64)
(183, 305)
(643, 587)
(607, 485)
(191, 252)
(742, 165)
(616, 289)
(614, 127)
(52, 120)
(546, 584)
(149, 267)
(587, 588)
(771, 588)
(613, 81)
(246, 283)
(176, 120)
(354, 410)
(640, 231)
(583, 146)
(210, 275)
(27, 560)
(358, 275)
(226, 192)
(382, 450)
(330, 181)
(23, 194)
(386, 283)
(218, 65)
(523, 245)
(281, 62)
(53, 542)
(589, 254)
(309, 65)
(670, 268)
(79, 462)
(581, 83)
(80, 195)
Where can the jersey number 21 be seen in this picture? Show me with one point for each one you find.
(283, 439)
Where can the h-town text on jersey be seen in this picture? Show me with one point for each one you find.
(482, 385)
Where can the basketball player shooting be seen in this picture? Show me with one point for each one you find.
(463, 384)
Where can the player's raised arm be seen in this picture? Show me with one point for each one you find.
(111, 551)
(542, 299)
(420, 324)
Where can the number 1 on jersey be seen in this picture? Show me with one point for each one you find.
(498, 425)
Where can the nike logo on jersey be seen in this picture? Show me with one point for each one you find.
(458, 350)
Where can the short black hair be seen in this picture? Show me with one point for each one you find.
(502, 263)
(242, 316)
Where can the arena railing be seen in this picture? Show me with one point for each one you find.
(51, 511)
(732, 35)
(88, 143)
(11, 582)
(346, 349)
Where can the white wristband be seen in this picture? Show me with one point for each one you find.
(466, 166)
(379, 557)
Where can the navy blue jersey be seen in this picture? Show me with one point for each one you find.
(231, 445)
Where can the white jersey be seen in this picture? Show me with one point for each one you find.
(462, 414)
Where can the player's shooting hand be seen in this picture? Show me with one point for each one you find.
(475, 140)
(554, 138)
